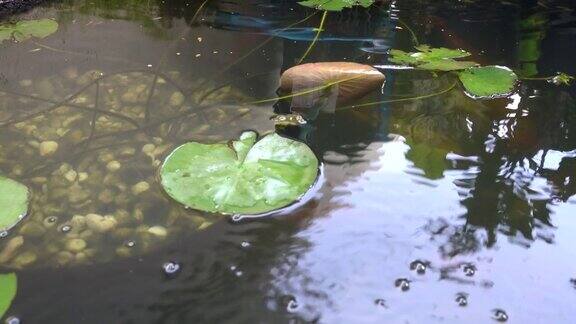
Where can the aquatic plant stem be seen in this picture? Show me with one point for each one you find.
(94, 56)
(415, 41)
(247, 54)
(402, 99)
(304, 92)
(318, 31)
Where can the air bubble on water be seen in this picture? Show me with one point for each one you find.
(233, 267)
(66, 228)
(12, 320)
(419, 266)
(499, 315)
(380, 302)
(171, 268)
(236, 218)
(245, 244)
(238, 273)
(52, 219)
(403, 284)
(462, 299)
(3, 234)
(469, 269)
(130, 243)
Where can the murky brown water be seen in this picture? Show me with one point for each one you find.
(443, 209)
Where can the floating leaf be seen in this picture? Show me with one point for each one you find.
(437, 59)
(8, 286)
(336, 5)
(488, 81)
(240, 177)
(25, 29)
(441, 52)
(13, 203)
(446, 65)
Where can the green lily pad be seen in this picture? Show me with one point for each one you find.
(488, 81)
(13, 203)
(26, 29)
(8, 286)
(335, 5)
(240, 177)
(435, 59)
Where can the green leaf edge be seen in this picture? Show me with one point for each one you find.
(24, 212)
(8, 289)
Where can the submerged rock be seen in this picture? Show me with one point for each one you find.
(357, 80)
(48, 148)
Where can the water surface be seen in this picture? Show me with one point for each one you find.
(445, 209)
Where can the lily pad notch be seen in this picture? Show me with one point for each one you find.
(244, 176)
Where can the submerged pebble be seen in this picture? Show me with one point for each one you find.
(24, 259)
(113, 166)
(48, 148)
(75, 245)
(140, 187)
(158, 231)
(32, 229)
(100, 224)
(10, 248)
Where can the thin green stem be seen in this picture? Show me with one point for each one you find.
(430, 95)
(243, 57)
(412, 34)
(318, 31)
(304, 92)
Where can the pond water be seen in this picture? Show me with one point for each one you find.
(431, 208)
